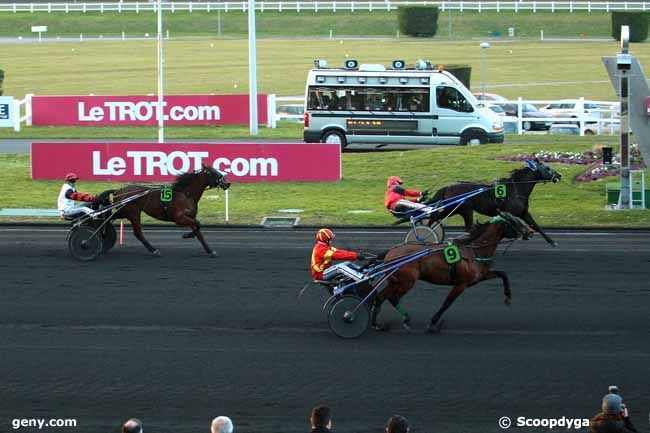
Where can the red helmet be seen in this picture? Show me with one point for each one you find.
(393, 180)
(324, 235)
(71, 176)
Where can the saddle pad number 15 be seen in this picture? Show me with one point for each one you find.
(166, 194)
(452, 254)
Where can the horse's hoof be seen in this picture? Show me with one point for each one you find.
(214, 254)
(507, 301)
(435, 328)
(553, 244)
(380, 328)
(156, 253)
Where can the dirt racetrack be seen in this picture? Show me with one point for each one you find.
(180, 339)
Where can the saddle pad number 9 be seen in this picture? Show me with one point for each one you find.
(500, 191)
(452, 254)
(166, 194)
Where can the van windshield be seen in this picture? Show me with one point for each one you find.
(414, 99)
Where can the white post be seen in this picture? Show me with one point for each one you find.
(81, 37)
(219, 22)
(123, 36)
(519, 116)
(484, 46)
(16, 114)
(271, 122)
(330, 33)
(252, 70)
(28, 109)
(581, 111)
(161, 117)
(541, 35)
(227, 208)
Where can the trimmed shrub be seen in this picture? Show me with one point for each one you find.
(462, 72)
(637, 21)
(419, 21)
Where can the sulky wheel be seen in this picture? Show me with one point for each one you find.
(109, 237)
(422, 234)
(84, 244)
(348, 317)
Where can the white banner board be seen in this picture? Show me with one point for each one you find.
(7, 112)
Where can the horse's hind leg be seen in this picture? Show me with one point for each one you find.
(376, 309)
(406, 318)
(137, 231)
(434, 326)
(531, 222)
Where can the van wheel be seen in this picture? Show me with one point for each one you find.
(527, 125)
(473, 137)
(334, 137)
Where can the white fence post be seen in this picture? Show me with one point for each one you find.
(271, 121)
(227, 207)
(16, 113)
(28, 109)
(580, 106)
(519, 116)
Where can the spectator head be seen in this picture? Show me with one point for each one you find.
(612, 404)
(397, 424)
(222, 424)
(321, 417)
(133, 425)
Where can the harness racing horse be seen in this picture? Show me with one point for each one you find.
(518, 186)
(476, 251)
(181, 208)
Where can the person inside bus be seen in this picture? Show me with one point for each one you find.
(399, 199)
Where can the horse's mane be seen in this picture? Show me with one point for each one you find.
(517, 173)
(184, 180)
(475, 232)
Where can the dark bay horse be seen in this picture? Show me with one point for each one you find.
(518, 186)
(476, 250)
(181, 209)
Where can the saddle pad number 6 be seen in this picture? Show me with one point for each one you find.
(452, 254)
(500, 191)
(166, 194)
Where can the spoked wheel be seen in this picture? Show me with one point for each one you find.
(422, 234)
(109, 237)
(84, 244)
(348, 318)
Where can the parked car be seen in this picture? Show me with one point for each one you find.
(571, 129)
(569, 109)
(529, 111)
(493, 97)
(291, 112)
(509, 122)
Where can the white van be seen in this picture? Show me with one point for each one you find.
(399, 105)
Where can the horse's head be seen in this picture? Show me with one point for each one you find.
(216, 178)
(543, 171)
(514, 227)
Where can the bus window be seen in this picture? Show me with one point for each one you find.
(452, 99)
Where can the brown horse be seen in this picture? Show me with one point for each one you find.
(181, 209)
(476, 249)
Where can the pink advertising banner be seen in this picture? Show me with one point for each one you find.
(153, 162)
(142, 110)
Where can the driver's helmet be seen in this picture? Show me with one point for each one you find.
(612, 404)
(324, 235)
(392, 181)
(71, 176)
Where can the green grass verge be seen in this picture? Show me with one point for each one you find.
(306, 24)
(363, 185)
(533, 70)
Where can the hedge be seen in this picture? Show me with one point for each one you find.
(637, 21)
(419, 21)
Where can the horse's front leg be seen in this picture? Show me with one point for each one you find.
(195, 226)
(137, 231)
(531, 222)
(507, 294)
(406, 318)
(376, 309)
(434, 326)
